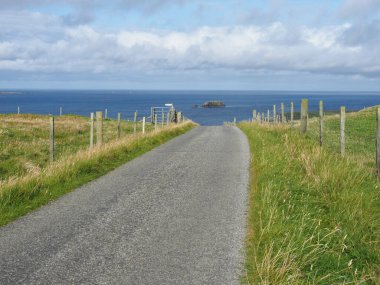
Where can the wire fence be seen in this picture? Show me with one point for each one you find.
(353, 134)
(28, 142)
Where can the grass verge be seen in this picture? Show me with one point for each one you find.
(314, 217)
(23, 194)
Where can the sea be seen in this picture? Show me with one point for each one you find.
(239, 104)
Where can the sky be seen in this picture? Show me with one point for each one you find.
(190, 44)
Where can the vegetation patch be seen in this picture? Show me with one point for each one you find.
(314, 216)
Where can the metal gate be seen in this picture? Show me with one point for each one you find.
(163, 115)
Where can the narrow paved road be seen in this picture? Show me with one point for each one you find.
(175, 215)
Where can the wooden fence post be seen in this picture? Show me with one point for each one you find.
(143, 125)
(118, 125)
(18, 110)
(155, 122)
(99, 128)
(291, 113)
(378, 141)
(304, 115)
(51, 138)
(342, 130)
(92, 131)
(60, 111)
(162, 118)
(254, 115)
(282, 113)
(274, 114)
(321, 123)
(106, 114)
(135, 123)
(171, 115)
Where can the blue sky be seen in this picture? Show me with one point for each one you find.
(190, 44)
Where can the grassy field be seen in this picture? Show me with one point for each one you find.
(314, 216)
(24, 140)
(360, 135)
(33, 181)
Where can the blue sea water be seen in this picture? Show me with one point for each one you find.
(239, 104)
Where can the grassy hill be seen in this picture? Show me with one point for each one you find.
(314, 216)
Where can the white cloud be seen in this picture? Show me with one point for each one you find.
(324, 37)
(46, 45)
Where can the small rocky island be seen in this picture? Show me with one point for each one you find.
(213, 104)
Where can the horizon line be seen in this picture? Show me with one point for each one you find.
(7, 89)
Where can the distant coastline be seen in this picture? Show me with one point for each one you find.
(8, 93)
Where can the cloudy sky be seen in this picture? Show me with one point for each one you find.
(190, 44)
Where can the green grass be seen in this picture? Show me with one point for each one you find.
(360, 135)
(24, 140)
(22, 194)
(314, 216)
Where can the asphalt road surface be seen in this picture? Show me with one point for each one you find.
(175, 215)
